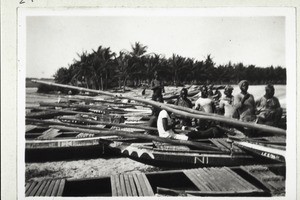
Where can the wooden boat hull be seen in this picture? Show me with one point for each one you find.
(174, 159)
(261, 151)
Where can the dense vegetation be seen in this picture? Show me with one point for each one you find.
(103, 69)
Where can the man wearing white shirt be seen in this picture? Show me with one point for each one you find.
(165, 127)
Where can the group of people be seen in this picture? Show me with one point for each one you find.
(266, 110)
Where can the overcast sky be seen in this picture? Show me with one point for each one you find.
(54, 41)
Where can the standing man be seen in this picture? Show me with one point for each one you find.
(244, 103)
(226, 105)
(158, 88)
(204, 103)
(183, 101)
(268, 108)
(157, 85)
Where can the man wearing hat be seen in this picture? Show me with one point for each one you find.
(244, 103)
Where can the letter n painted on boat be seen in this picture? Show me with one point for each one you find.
(202, 160)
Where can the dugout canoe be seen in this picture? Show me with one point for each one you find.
(273, 148)
(246, 180)
(47, 144)
(173, 156)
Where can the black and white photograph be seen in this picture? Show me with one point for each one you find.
(157, 102)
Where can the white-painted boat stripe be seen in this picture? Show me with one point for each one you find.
(263, 148)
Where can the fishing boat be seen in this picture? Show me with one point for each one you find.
(271, 148)
(223, 153)
(44, 143)
(246, 180)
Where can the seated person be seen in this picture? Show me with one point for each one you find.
(165, 127)
(154, 115)
(268, 108)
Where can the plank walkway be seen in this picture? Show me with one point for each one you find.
(49, 187)
(130, 184)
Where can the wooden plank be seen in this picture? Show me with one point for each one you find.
(193, 177)
(61, 188)
(148, 185)
(220, 180)
(231, 147)
(132, 185)
(220, 146)
(143, 184)
(36, 187)
(127, 185)
(239, 185)
(215, 180)
(240, 179)
(114, 192)
(29, 127)
(118, 185)
(41, 188)
(50, 188)
(43, 193)
(201, 180)
(55, 188)
(30, 188)
(27, 186)
(172, 192)
(266, 177)
(49, 134)
(198, 181)
(228, 181)
(122, 184)
(224, 143)
(210, 179)
(137, 183)
(233, 184)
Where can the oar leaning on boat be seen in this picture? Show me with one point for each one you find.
(177, 110)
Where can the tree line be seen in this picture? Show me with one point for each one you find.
(103, 69)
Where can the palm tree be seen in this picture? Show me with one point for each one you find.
(122, 69)
(137, 61)
(102, 63)
(177, 65)
(84, 70)
(209, 69)
(138, 49)
(152, 63)
(62, 75)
